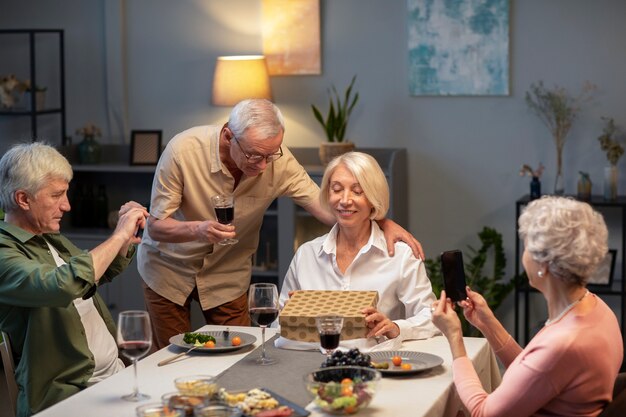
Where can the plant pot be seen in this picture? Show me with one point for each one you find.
(329, 150)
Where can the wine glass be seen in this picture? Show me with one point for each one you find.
(224, 206)
(134, 338)
(263, 308)
(329, 329)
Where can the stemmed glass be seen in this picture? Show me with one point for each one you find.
(329, 328)
(224, 206)
(134, 338)
(263, 308)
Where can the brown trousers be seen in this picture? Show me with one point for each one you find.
(169, 319)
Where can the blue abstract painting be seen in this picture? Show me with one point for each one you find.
(458, 47)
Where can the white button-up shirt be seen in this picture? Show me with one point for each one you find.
(404, 290)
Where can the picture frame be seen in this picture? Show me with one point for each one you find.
(145, 147)
(603, 275)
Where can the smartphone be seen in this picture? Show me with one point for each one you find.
(453, 275)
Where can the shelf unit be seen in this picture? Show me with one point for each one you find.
(33, 112)
(617, 289)
(285, 225)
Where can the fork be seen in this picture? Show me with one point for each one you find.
(168, 360)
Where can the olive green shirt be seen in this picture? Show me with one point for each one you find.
(53, 360)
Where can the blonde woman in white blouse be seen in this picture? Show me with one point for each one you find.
(353, 256)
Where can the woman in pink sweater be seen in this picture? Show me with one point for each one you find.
(569, 367)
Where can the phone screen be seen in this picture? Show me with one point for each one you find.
(453, 275)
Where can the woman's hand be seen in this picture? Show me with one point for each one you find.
(476, 310)
(446, 320)
(379, 324)
(444, 316)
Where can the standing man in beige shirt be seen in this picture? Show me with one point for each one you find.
(178, 258)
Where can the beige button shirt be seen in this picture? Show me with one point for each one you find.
(188, 173)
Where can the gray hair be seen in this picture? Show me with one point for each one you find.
(567, 235)
(28, 167)
(261, 114)
(370, 177)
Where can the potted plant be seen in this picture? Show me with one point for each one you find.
(614, 151)
(558, 110)
(336, 122)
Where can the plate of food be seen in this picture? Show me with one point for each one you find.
(404, 362)
(213, 341)
(261, 402)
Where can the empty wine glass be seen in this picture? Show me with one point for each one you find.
(134, 338)
(329, 328)
(224, 206)
(263, 308)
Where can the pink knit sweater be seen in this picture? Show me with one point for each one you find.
(567, 369)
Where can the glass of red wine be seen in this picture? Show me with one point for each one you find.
(329, 328)
(134, 338)
(263, 308)
(224, 206)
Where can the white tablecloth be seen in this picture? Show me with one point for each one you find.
(431, 395)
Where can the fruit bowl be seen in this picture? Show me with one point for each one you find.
(342, 389)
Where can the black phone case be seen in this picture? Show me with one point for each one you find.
(453, 275)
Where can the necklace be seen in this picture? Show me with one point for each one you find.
(567, 309)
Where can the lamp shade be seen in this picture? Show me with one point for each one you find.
(240, 77)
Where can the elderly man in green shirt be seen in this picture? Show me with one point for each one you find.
(62, 334)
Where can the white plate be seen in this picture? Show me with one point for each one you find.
(222, 343)
(419, 361)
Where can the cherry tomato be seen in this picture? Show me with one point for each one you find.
(346, 381)
(396, 360)
(350, 409)
(236, 341)
(347, 391)
(209, 344)
(406, 366)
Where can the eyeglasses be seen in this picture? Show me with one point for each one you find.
(255, 159)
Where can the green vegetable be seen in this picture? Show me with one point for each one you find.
(193, 338)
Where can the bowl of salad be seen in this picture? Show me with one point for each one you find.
(342, 389)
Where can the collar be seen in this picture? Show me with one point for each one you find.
(376, 240)
(18, 233)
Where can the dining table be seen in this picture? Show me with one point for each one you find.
(429, 393)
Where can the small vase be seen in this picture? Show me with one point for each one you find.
(89, 151)
(559, 188)
(584, 189)
(610, 183)
(535, 188)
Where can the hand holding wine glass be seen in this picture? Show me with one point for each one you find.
(263, 308)
(329, 328)
(134, 338)
(224, 206)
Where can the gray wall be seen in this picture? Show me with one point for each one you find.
(464, 152)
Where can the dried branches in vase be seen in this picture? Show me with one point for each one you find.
(558, 110)
(535, 183)
(614, 151)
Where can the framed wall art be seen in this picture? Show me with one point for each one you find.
(458, 48)
(145, 147)
(603, 275)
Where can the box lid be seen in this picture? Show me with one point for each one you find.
(305, 305)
